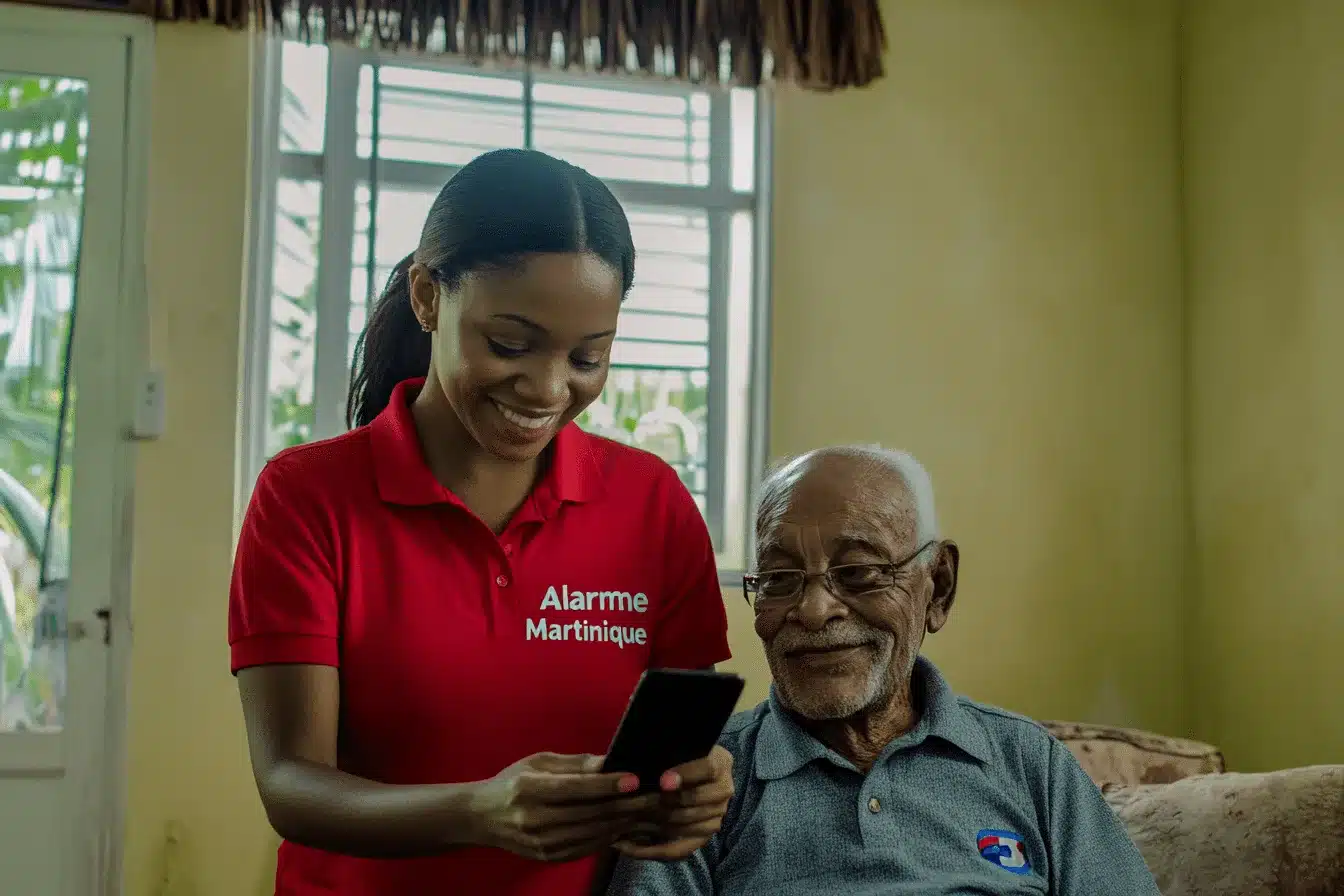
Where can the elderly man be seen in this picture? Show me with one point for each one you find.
(863, 773)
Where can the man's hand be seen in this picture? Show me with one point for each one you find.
(695, 797)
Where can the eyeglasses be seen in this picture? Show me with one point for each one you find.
(779, 588)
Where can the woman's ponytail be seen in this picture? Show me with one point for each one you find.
(392, 348)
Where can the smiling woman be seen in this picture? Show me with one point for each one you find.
(419, 554)
(537, 256)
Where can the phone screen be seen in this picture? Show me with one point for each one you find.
(674, 716)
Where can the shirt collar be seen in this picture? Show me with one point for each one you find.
(783, 747)
(404, 477)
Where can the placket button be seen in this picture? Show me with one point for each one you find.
(502, 581)
(508, 550)
(874, 805)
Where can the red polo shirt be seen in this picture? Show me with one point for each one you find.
(461, 651)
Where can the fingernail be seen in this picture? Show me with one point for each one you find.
(670, 781)
(628, 784)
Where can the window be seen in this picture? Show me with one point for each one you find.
(690, 165)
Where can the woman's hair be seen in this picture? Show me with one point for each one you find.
(500, 208)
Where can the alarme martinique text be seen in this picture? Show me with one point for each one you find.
(590, 630)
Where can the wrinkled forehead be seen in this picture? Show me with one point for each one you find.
(836, 505)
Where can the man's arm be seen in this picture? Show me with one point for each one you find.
(689, 877)
(1090, 851)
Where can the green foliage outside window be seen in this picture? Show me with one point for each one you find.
(43, 140)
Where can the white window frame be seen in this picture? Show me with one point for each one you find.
(339, 169)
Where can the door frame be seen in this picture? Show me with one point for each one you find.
(101, 769)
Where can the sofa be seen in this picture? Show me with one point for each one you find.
(1207, 832)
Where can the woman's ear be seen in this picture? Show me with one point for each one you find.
(424, 297)
(946, 567)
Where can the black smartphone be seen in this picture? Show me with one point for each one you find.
(674, 716)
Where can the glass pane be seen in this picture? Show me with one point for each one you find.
(43, 143)
(298, 206)
(303, 110)
(401, 215)
(657, 396)
(743, 111)
(441, 117)
(654, 137)
(662, 411)
(665, 323)
(737, 390)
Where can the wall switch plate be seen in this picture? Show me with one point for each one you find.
(151, 406)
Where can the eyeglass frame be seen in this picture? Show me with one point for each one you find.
(751, 581)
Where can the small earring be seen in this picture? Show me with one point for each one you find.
(426, 327)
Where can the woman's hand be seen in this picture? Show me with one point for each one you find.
(557, 808)
(693, 801)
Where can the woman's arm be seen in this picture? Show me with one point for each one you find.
(291, 713)
(545, 807)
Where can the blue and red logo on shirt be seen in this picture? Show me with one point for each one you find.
(1003, 848)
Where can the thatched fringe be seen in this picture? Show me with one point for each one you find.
(817, 44)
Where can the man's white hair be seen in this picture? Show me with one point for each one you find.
(917, 480)
(920, 483)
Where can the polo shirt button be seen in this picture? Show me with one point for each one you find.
(502, 581)
(508, 549)
(874, 805)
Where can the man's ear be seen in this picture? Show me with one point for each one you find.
(944, 573)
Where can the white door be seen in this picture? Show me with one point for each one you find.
(63, 109)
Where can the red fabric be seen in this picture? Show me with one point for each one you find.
(353, 555)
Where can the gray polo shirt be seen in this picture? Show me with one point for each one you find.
(972, 800)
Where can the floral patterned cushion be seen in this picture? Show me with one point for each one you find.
(1274, 834)
(1112, 755)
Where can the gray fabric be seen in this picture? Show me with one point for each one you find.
(803, 820)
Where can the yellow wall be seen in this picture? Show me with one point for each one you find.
(188, 775)
(1264, 144)
(979, 259)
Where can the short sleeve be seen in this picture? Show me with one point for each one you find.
(1091, 853)
(692, 629)
(283, 600)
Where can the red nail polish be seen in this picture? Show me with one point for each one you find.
(628, 784)
(671, 781)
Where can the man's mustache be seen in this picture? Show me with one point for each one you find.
(837, 636)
